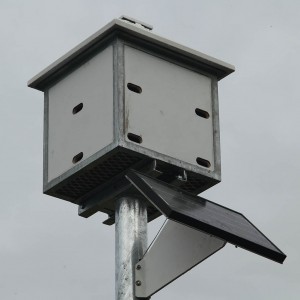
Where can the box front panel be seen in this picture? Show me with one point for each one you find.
(80, 120)
(168, 108)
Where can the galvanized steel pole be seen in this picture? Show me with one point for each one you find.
(130, 243)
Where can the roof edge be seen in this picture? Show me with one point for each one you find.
(39, 81)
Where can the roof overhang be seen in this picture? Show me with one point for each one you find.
(120, 28)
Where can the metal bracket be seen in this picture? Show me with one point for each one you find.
(176, 249)
(103, 200)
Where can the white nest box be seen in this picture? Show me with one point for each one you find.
(127, 98)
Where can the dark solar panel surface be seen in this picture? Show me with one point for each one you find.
(206, 216)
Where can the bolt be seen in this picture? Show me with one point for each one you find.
(138, 283)
(138, 267)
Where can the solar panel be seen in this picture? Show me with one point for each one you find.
(205, 215)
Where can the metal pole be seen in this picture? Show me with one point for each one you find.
(130, 243)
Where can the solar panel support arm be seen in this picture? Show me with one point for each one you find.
(176, 249)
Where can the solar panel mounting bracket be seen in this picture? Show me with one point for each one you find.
(175, 250)
(103, 199)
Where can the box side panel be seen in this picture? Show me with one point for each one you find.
(160, 107)
(80, 114)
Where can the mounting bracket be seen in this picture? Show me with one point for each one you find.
(176, 249)
(103, 199)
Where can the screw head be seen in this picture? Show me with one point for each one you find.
(138, 283)
(138, 267)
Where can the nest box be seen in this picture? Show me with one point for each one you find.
(126, 98)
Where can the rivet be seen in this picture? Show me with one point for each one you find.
(138, 267)
(138, 283)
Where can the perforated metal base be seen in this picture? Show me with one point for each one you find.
(95, 177)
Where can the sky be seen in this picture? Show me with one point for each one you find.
(48, 252)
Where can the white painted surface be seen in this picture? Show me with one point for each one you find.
(164, 113)
(92, 128)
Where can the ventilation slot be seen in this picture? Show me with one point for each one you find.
(77, 108)
(202, 113)
(78, 157)
(134, 88)
(203, 162)
(135, 138)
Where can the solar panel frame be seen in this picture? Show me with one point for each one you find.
(205, 215)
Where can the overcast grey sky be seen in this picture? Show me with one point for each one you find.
(48, 252)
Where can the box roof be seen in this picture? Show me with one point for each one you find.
(117, 26)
